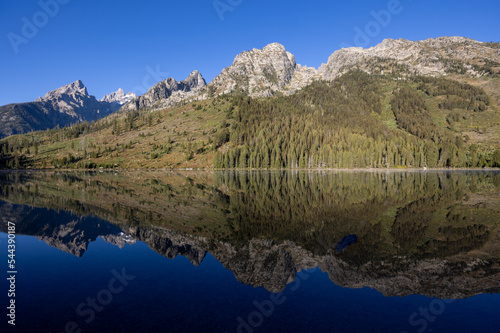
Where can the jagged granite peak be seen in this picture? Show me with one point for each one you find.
(63, 106)
(119, 97)
(272, 69)
(261, 73)
(161, 93)
(71, 98)
(73, 89)
(195, 80)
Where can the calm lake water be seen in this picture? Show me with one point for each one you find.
(253, 251)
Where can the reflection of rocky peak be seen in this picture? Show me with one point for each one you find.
(260, 263)
(61, 230)
(74, 237)
(272, 266)
(264, 263)
(433, 277)
(170, 244)
(120, 239)
(67, 237)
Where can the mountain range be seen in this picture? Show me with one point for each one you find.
(425, 104)
(168, 92)
(259, 73)
(60, 107)
(273, 70)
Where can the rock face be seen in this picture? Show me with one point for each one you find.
(302, 77)
(260, 263)
(168, 92)
(74, 100)
(435, 56)
(118, 97)
(60, 107)
(262, 73)
(273, 70)
(171, 244)
(259, 72)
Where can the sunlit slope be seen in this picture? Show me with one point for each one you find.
(356, 121)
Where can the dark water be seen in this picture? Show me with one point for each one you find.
(253, 251)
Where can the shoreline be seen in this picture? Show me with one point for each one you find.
(248, 169)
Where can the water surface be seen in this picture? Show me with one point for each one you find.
(254, 251)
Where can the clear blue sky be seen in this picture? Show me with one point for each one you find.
(110, 44)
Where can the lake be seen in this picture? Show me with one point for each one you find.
(252, 251)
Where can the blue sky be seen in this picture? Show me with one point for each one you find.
(132, 45)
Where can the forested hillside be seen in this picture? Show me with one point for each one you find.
(359, 121)
(356, 121)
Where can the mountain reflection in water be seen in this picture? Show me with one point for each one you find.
(401, 233)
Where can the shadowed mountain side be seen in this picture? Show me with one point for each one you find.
(61, 107)
(29, 117)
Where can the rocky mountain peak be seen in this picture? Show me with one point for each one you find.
(434, 56)
(78, 84)
(274, 47)
(72, 89)
(272, 69)
(119, 97)
(169, 92)
(194, 80)
(72, 99)
(60, 107)
(259, 72)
